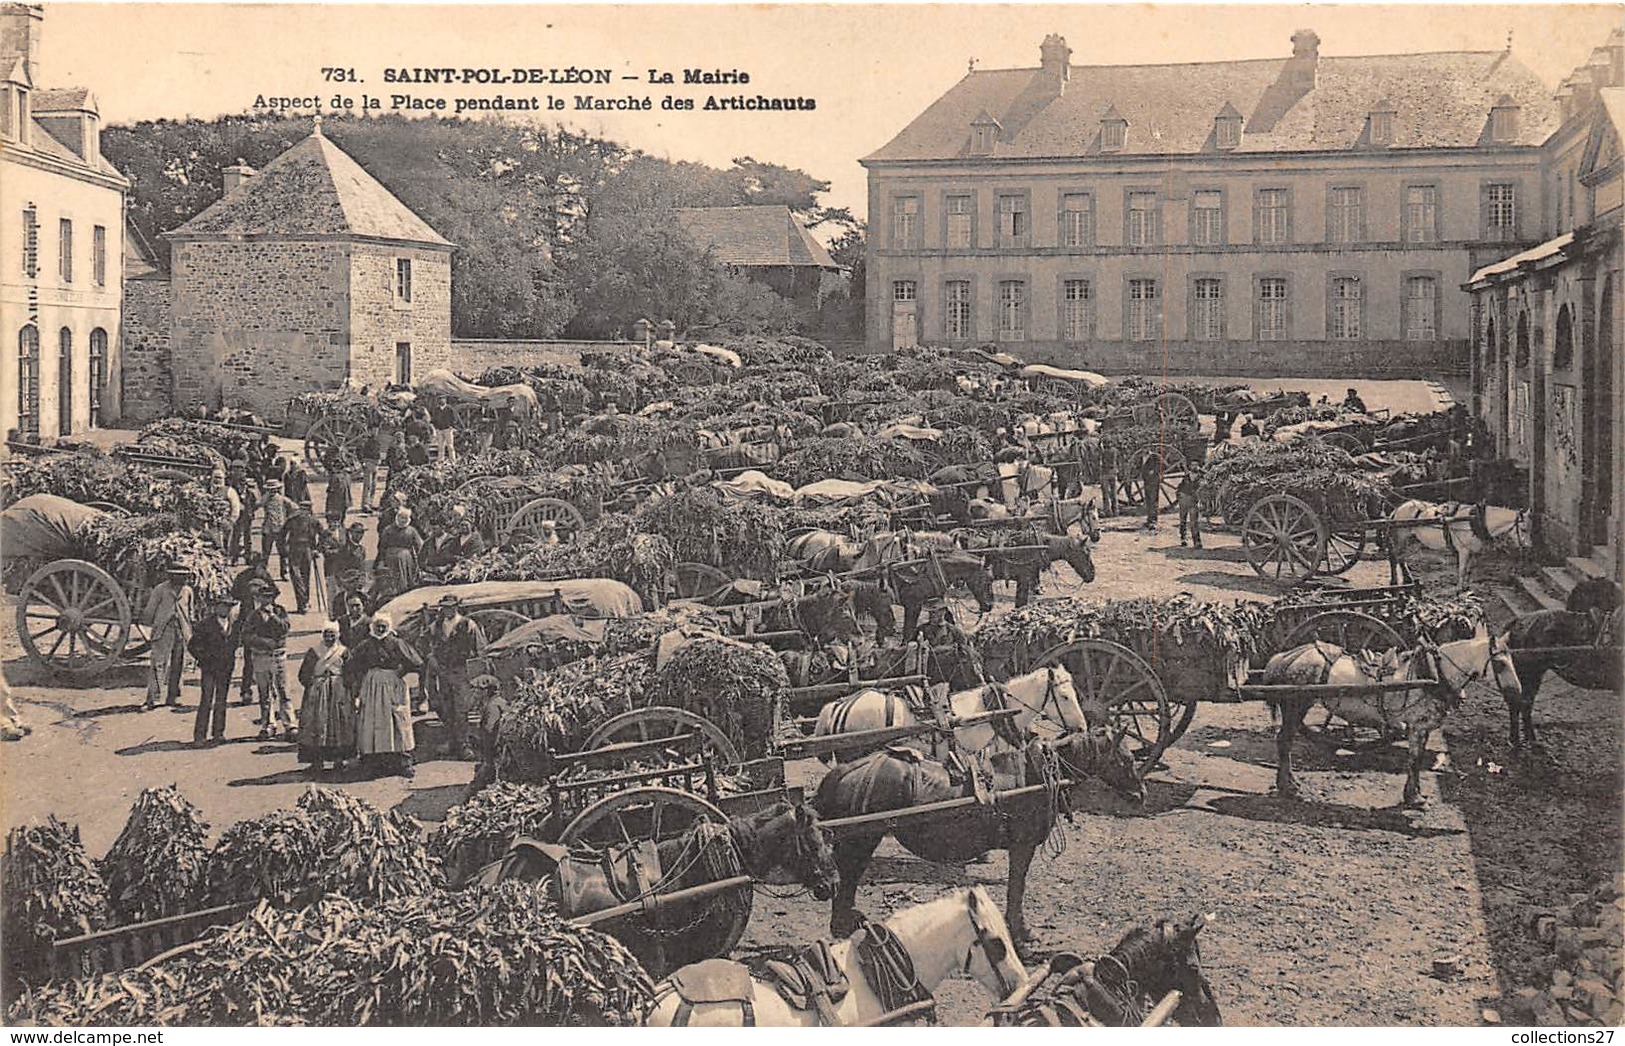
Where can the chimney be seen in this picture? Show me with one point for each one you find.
(1300, 68)
(235, 175)
(20, 35)
(1055, 58)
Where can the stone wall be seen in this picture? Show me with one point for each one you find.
(472, 356)
(257, 323)
(380, 319)
(148, 383)
(1287, 359)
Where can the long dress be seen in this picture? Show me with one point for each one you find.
(375, 672)
(327, 713)
(396, 570)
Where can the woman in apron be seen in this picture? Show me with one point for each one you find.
(399, 545)
(327, 713)
(376, 672)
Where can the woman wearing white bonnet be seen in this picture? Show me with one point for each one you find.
(376, 671)
(327, 713)
(399, 548)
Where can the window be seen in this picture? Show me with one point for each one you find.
(1226, 132)
(64, 245)
(403, 363)
(1272, 308)
(1207, 218)
(403, 279)
(64, 382)
(98, 374)
(1347, 301)
(1077, 220)
(1012, 310)
(981, 139)
(1077, 308)
(30, 250)
(1421, 308)
(98, 254)
(1142, 219)
(1012, 220)
(1421, 213)
(956, 314)
(1504, 123)
(28, 381)
(1382, 128)
(1345, 214)
(1113, 133)
(961, 221)
(905, 290)
(8, 113)
(1207, 309)
(905, 222)
(1500, 212)
(1144, 311)
(1271, 212)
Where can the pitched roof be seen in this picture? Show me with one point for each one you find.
(60, 99)
(755, 236)
(41, 141)
(313, 189)
(1440, 100)
(141, 262)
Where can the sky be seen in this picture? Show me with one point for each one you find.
(870, 68)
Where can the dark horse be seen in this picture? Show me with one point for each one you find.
(782, 844)
(1119, 988)
(899, 778)
(1581, 623)
(1032, 552)
(915, 583)
(825, 615)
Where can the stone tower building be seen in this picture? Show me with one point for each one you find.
(301, 276)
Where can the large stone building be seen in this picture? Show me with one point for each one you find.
(61, 237)
(301, 276)
(1300, 215)
(1548, 376)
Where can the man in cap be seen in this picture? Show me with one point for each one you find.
(452, 640)
(265, 634)
(345, 558)
(214, 646)
(278, 507)
(300, 536)
(171, 609)
(336, 499)
(488, 697)
(240, 542)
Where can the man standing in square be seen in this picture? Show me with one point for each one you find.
(171, 608)
(265, 635)
(214, 646)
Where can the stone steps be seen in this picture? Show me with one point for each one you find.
(1535, 589)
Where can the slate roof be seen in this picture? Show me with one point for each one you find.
(755, 236)
(313, 189)
(1441, 100)
(58, 99)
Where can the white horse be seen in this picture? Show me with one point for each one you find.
(1455, 527)
(1420, 711)
(962, 932)
(1045, 704)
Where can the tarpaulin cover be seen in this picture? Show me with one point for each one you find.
(1044, 370)
(555, 628)
(901, 431)
(41, 526)
(584, 597)
(444, 383)
(1288, 433)
(837, 490)
(755, 484)
(728, 356)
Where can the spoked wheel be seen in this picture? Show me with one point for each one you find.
(1111, 678)
(1348, 629)
(1059, 388)
(1345, 542)
(1177, 413)
(1283, 535)
(699, 580)
(1345, 441)
(341, 435)
(1171, 471)
(74, 618)
(660, 721)
(497, 622)
(535, 518)
(691, 372)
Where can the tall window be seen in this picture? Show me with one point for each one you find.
(1272, 308)
(30, 252)
(64, 246)
(1226, 132)
(1382, 128)
(1077, 304)
(1500, 212)
(98, 374)
(1113, 133)
(1142, 219)
(28, 381)
(1077, 220)
(1272, 217)
(956, 314)
(1345, 214)
(1012, 310)
(1344, 317)
(959, 222)
(403, 279)
(1421, 213)
(1207, 218)
(98, 254)
(1421, 308)
(905, 222)
(905, 290)
(1207, 310)
(64, 382)
(1144, 311)
(403, 363)
(1012, 220)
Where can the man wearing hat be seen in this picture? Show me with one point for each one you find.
(345, 558)
(214, 646)
(300, 536)
(452, 640)
(278, 507)
(265, 634)
(171, 608)
(240, 542)
(488, 696)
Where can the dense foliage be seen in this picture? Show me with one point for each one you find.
(157, 865)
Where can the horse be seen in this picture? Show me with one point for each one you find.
(1026, 564)
(1044, 701)
(781, 844)
(899, 778)
(959, 933)
(1421, 710)
(1462, 529)
(1118, 989)
(1584, 621)
(915, 583)
(825, 616)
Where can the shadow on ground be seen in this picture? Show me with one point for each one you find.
(1250, 583)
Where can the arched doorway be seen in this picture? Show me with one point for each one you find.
(28, 381)
(64, 382)
(97, 375)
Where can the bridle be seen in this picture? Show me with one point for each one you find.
(1052, 697)
(994, 949)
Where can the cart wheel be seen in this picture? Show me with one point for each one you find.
(699, 580)
(1345, 441)
(1349, 629)
(327, 435)
(1059, 388)
(1112, 678)
(691, 372)
(532, 518)
(1344, 544)
(497, 622)
(73, 618)
(1282, 534)
(1177, 413)
(645, 724)
(1172, 470)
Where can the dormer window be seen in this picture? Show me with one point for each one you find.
(1227, 128)
(1382, 124)
(984, 131)
(1504, 120)
(1113, 131)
